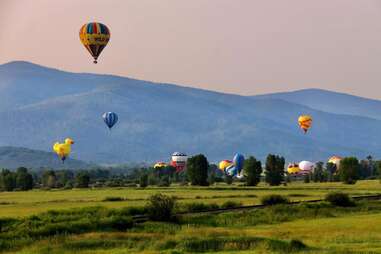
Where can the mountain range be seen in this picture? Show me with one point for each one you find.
(41, 105)
(14, 157)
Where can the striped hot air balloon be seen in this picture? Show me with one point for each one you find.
(305, 122)
(94, 36)
(110, 119)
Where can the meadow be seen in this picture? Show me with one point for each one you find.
(304, 228)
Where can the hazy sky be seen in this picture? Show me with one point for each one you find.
(237, 46)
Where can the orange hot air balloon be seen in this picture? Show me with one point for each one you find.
(305, 122)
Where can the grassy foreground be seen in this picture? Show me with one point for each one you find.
(305, 228)
(15, 204)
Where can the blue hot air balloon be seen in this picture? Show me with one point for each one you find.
(110, 119)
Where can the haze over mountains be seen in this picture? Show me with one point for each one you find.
(40, 105)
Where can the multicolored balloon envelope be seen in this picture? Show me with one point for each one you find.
(305, 122)
(110, 119)
(179, 161)
(224, 164)
(236, 166)
(94, 36)
(63, 150)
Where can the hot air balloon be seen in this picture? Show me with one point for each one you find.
(179, 161)
(160, 165)
(306, 167)
(236, 168)
(224, 164)
(63, 149)
(110, 119)
(94, 36)
(335, 160)
(293, 168)
(305, 122)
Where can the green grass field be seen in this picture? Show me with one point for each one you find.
(321, 227)
(14, 204)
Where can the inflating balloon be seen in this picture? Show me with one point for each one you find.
(110, 119)
(94, 36)
(179, 161)
(293, 168)
(335, 160)
(63, 150)
(224, 164)
(305, 122)
(235, 169)
(306, 167)
(160, 165)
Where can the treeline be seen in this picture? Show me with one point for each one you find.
(349, 171)
(24, 179)
(199, 172)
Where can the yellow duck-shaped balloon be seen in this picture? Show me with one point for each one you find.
(63, 150)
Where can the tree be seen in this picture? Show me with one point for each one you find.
(63, 176)
(7, 180)
(377, 170)
(349, 170)
(306, 178)
(331, 169)
(228, 179)
(253, 170)
(212, 173)
(143, 181)
(274, 169)
(82, 179)
(24, 180)
(197, 170)
(318, 175)
(49, 179)
(371, 165)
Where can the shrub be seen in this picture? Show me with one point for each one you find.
(228, 179)
(112, 199)
(130, 185)
(196, 207)
(297, 245)
(274, 199)
(120, 223)
(133, 210)
(230, 204)
(164, 182)
(339, 199)
(161, 207)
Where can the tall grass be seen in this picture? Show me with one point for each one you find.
(278, 214)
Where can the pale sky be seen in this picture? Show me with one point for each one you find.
(236, 46)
